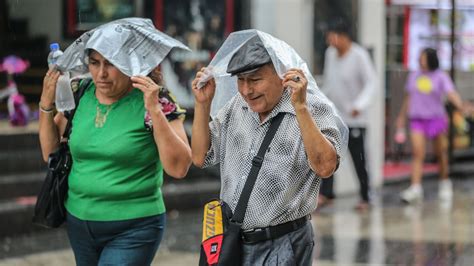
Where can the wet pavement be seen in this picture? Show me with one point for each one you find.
(390, 233)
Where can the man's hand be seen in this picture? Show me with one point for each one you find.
(205, 94)
(295, 80)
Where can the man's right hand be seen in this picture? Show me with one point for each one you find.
(49, 88)
(205, 94)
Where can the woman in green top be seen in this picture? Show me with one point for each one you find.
(126, 131)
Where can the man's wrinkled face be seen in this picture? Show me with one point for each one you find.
(261, 89)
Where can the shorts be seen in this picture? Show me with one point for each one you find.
(431, 128)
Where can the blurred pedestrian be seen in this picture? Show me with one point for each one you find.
(18, 110)
(423, 103)
(350, 82)
(126, 131)
(272, 80)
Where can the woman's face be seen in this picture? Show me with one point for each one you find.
(423, 61)
(110, 82)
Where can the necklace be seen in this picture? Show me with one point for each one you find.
(101, 118)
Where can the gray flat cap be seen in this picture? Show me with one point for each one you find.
(249, 57)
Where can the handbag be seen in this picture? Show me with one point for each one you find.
(49, 209)
(222, 230)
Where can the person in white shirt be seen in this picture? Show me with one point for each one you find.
(349, 82)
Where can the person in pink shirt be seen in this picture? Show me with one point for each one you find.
(423, 104)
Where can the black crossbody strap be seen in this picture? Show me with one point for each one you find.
(77, 97)
(257, 161)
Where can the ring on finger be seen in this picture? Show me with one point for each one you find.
(296, 78)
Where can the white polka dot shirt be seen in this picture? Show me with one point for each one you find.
(286, 187)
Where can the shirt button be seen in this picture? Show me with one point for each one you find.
(252, 151)
(243, 177)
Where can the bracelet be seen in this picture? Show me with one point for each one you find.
(44, 110)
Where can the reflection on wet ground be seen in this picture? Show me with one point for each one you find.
(431, 233)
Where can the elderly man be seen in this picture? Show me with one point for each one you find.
(305, 149)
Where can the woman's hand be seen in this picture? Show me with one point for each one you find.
(468, 109)
(205, 94)
(400, 121)
(49, 88)
(150, 92)
(296, 80)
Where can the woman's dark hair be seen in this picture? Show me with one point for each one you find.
(157, 76)
(431, 58)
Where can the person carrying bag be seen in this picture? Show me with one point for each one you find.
(49, 209)
(264, 220)
(128, 131)
(222, 237)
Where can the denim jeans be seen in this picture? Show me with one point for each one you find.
(128, 242)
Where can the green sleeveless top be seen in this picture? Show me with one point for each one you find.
(116, 172)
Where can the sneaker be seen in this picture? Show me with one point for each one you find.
(412, 194)
(445, 191)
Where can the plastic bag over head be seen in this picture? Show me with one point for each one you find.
(133, 45)
(283, 57)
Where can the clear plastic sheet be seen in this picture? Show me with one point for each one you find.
(133, 45)
(283, 56)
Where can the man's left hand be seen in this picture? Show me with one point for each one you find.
(296, 81)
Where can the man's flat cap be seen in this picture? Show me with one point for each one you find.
(249, 57)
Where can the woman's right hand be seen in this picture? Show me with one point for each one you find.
(49, 88)
(204, 94)
(400, 122)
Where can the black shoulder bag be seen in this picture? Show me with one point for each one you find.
(222, 232)
(49, 209)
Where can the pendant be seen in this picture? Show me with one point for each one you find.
(101, 118)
